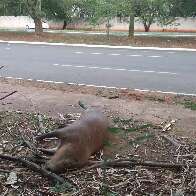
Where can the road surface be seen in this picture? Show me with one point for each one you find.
(167, 71)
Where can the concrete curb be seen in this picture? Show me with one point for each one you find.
(100, 46)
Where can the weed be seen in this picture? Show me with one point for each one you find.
(107, 143)
(114, 130)
(190, 105)
(62, 188)
(141, 139)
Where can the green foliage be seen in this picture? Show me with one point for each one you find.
(58, 10)
(151, 11)
(191, 105)
(62, 188)
(12, 7)
(34, 8)
(184, 8)
(128, 125)
(141, 139)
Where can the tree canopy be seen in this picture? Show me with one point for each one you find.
(163, 12)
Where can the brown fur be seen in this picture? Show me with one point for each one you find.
(79, 141)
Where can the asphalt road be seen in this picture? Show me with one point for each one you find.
(168, 71)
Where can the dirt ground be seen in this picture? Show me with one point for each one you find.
(168, 42)
(136, 120)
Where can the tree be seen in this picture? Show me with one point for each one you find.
(11, 7)
(184, 8)
(97, 11)
(126, 8)
(34, 10)
(151, 11)
(59, 10)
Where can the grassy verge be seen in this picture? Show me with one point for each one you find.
(187, 42)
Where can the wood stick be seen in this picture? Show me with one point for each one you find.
(4, 171)
(1, 67)
(8, 95)
(127, 163)
(34, 167)
(172, 141)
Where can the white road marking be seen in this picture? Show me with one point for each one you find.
(79, 52)
(56, 64)
(171, 52)
(154, 56)
(114, 54)
(119, 69)
(106, 68)
(96, 53)
(93, 67)
(135, 55)
(7, 48)
(100, 46)
(149, 72)
(80, 66)
(118, 88)
(66, 65)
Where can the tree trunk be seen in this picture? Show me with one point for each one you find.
(38, 26)
(147, 27)
(64, 24)
(108, 29)
(131, 25)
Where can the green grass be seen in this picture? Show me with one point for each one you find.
(190, 105)
(141, 139)
(62, 188)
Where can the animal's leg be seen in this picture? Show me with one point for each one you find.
(57, 133)
(48, 151)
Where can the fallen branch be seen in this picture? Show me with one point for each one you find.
(32, 148)
(34, 167)
(128, 163)
(171, 140)
(4, 171)
(2, 67)
(8, 95)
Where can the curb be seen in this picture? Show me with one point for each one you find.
(100, 46)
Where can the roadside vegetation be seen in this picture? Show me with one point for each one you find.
(95, 12)
(170, 42)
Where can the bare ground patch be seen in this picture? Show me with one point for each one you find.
(137, 122)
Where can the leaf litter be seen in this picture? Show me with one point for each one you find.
(130, 139)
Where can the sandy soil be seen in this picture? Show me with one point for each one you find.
(56, 99)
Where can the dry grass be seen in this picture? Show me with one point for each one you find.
(187, 42)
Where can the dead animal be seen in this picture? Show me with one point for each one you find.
(78, 141)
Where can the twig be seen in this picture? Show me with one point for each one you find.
(127, 163)
(36, 152)
(2, 67)
(8, 95)
(120, 184)
(41, 125)
(4, 171)
(34, 167)
(172, 141)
